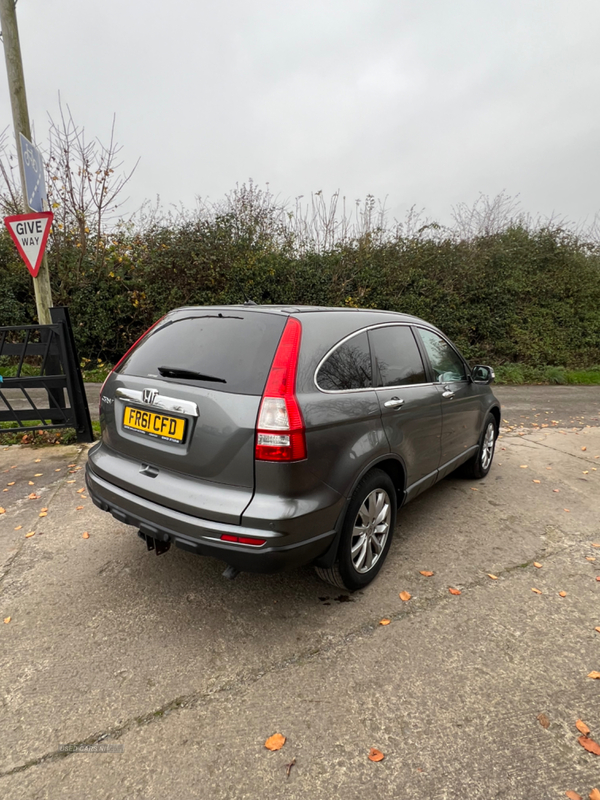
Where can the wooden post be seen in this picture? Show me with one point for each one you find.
(18, 101)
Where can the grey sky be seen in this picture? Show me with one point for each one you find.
(427, 102)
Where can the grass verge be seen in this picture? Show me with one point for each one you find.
(43, 438)
(517, 374)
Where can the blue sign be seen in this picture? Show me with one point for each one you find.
(37, 199)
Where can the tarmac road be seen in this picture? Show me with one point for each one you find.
(189, 674)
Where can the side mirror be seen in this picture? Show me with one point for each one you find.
(482, 374)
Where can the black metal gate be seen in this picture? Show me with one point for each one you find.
(39, 364)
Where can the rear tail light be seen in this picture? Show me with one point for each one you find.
(122, 359)
(280, 434)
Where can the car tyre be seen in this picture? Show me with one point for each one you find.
(366, 534)
(479, 466)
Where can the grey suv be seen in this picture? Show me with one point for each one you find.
(272, 437)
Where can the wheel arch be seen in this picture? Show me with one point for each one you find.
(394, 468)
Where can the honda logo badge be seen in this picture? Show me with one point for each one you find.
(149, 396)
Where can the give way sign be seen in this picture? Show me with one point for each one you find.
(30, 234)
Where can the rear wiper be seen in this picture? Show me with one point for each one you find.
(187, 374)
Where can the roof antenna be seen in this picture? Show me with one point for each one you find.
(247, 300)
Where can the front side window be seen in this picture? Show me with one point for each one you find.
(397, 358)
(445, 361)
(348, 367)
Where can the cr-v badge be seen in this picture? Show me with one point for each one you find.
(149, 396)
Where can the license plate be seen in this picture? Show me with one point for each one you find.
(158, 426)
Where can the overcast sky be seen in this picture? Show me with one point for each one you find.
(424, 102)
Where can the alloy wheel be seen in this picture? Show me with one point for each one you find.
(487, 449)
(371, 530)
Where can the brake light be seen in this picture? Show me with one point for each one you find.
(122, 359)
(280, 433)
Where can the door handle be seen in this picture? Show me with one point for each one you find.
(448, 394)
(395, 402)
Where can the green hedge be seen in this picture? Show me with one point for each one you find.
(520, 296)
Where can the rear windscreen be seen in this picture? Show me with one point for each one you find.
(223, 351)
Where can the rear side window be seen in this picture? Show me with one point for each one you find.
(229, 351)
(397, 358)
(348, 367)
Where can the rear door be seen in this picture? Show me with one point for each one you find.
(182, 408)
(410, 405)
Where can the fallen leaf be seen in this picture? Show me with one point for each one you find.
(85, 535)
(375, 754)
(43, 514)
(590, 558)
(58, 470)
(595, 544)
(33, 496)
(384, 621)
(31, 483)
(44, 509)
(427, 573)
(7, 620)
(405, 596)
(37, 460)
(2, 510)
(537, 591)
(598, 577)
(18, 528)
(566, 509)
(595, 794)
(562, 594)
(493, 577)
(473, 489)
(573, 795)
(523, 466)
(586, 472)
(453, 591)
(12, 483)
(537, 564)
(30, 534)
(543, 720)
(73, 481)
(38, 474)
(79, 491)
(594, 674)
(582, 727)
(78, 508)
(556, 490)
(536, 481)
(597, 629)
(590, 745)
(275, 742)
(584, 449)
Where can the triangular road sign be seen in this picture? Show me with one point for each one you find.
(30, 234)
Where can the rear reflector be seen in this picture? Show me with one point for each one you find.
(280, 432)
(226, 537)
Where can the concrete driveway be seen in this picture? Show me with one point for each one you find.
(187, 674)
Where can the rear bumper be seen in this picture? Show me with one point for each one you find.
(202, 536)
